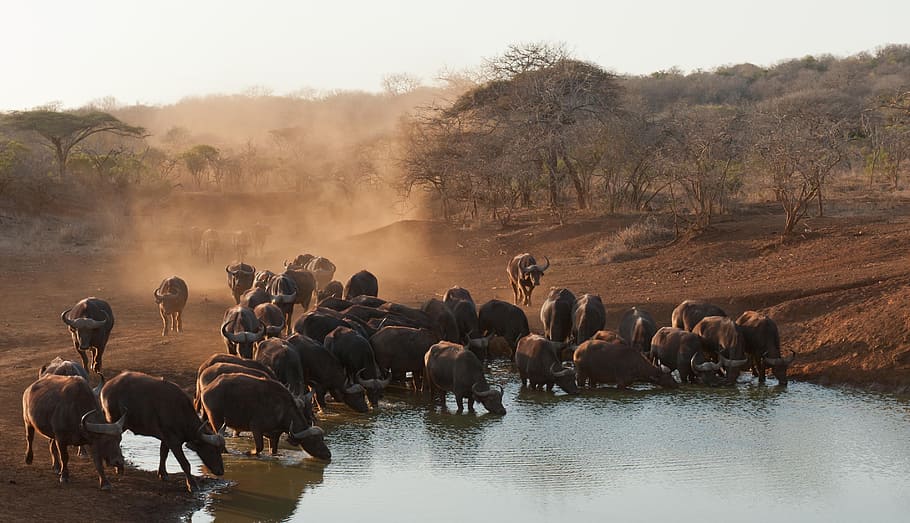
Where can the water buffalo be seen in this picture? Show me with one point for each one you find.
(683, 351)
(241, 330)
(319, 322)
(362, 283)
(464, 309)
(449, 367)
(262, 278)
(333, 289)
(637, 327)
(416, 316)
(400, 350)
(90, 322)
(255, 297)
(240, 278)
(539, 363)
(210, 244)
(160, 409)
(457, 294)
(64, 410)
(687, 314)
(722, 335)
(367, 301)
(608, 335)
(231, 359)
(171, 296)
(334, 303)
(271, 316)
(62, 367)
(306, 286)
(277, 355)
(443, 319)
(241, 241)
(322, 268)
(356, 356)
(762, 346)
(325, 373)
(599, 361)
(284, 294)
(261, 232)
(503, 319)
(556, 314)
(524, 274)
(193, 239)
(588, 317)
(265, 408)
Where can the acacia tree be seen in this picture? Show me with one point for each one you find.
(887, 130)
(62, 131)
(199, 159)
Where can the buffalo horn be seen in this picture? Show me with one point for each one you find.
(483, 394)
(558, 371)
(355, 388)
(233, 338)
(774, 362)
(113, 429)
(708, 366)
(731, 364)
(65, 319)
(211, 439)
(97, 390)
(309, 433)
(367, 384)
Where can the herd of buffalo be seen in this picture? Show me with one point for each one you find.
(352, 345)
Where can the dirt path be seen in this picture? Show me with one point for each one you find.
(840, 294)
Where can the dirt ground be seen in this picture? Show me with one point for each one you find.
(840, 292)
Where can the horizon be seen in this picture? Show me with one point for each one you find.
(161, 55)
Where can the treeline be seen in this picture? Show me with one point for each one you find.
(532, 128)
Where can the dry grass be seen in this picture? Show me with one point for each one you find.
(629, 243)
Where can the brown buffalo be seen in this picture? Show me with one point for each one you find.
(762, 346)
(90, 322)
(449, 367)
(171, 296)
(599, 361)
(524, 274)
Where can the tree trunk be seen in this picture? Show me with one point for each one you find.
(580, 192)
(551, 163)
(821, 206)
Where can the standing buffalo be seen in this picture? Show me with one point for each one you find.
(216, 359)
(364, 283)
(255, 297)
(524, 275)
(333, 289)
(241, 330)
(556, 314)
(159, 408)
(539, 363)
(271, 316)
(464, 309)
(356, 356)
(400, 350)
(306, 286)
(319, 322)
(503, 319)
(210, 244)
(604, 362)
(322, 268)
(284, 294)
(62, 367)
(171, 297)
(277, 355)
(451, 368)
(762, 346)
(683, 351)
(240, 278)
(90, 322)
(241, 241)
(262, 278)
(637, 327)
(443, 319)
(261, 232)
(687, 314)
(265, 408)
(455, 295)
(64, 410)
(326, 374)
(722, 335)
(588, 317)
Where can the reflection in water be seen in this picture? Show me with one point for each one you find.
(753, 452)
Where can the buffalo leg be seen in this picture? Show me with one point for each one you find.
(549, 387)
(176, 447)
(231, 348)
(162, 467)
(273, 443)
(55, 458)
(257, 439)
(99, 467)
(29, 438)
(163, 321)
(84, 358)
(470, 403)
(458, 401)
(64, 461)
(96, 360)
(178, 321)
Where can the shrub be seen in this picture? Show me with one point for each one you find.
(628, 243)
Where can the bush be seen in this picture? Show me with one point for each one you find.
(628, 243)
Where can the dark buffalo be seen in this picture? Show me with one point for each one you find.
(503, 319)
(400, 350)
(687, 314)
(241, 241)
(443, 319)
(241, 330)
(240, 278)
(284, 294)
(215, 359)
(367, 301)
(588, 317)
(64, 410)
(356, 356)
(463, 307)
(325, 373)
(160, 409)
(608, 335)
(762, 346)
(336, 304)
(637, 327)
(556, 314)
(90, 322)
(683, 351)
(306, 286)
(62, 367)
(539, 363)
(524, 274)
(277, 355)
(255, 297)
(171, 296)
(415, 316)
(449, 367)
(210, 244)
(455, 295)
(262, 278)
(261, 232)
(322, 268)
(265, 408)
(599, 361)
(333, 289)
(271, 316)
(364, 283)
(722, 335)
(318, 323)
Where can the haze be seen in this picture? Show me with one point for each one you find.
(75, 52)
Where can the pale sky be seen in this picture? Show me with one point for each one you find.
(156, 52)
